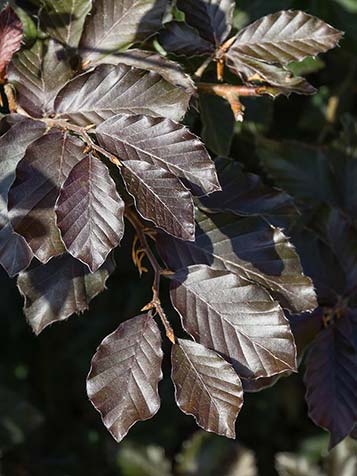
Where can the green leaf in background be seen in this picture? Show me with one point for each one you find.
(135, 460)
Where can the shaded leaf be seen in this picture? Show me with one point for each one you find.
(64, 19)
(245, 194)
(109, 90)
(38, 74)
(212, 18)
(15, 254)
(235, 318)
(249, 248)
(286, 36)
(160, 197)
(183, 40)
(10, 38)
(259, 384)
(207, 387)
(113, 25)
(126, 369)
(32, 197)
(90, 212)
(331, 380)
(60, 288)
(163, 143)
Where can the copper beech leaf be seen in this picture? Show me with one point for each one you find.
(108, 90)
(206, 386)
(251, 249)
(237, 319)
(123, 380)
(15, 254)
(90, 212)
(163, 143)
(32, 197)
(160, 197)
(10, 38)
(64, 19)
(115, 24)
(212, 18)
(38, 73)
(331, 379)
(60, 288)
(285, 36)
(183, 40)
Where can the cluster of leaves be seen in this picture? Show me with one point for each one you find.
(94, 138)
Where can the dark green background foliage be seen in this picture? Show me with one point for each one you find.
(48, 427)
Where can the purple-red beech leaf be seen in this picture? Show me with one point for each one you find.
(250, 248)
(160, 197)
(163, 143)
(183, 40)
(10, 38)
(206, 386)
(38, 74)
(123, 380)
(212, 18)
(285, 36)
(90, 212)
(60, 288)
(108, 90)
(32, 197)
(114, 24)
(235, 318)
(63, 20)
(331, 379)
(15, 255)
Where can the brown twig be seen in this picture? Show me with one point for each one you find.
(158, 272)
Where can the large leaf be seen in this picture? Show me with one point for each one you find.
(207, 387)
(38, 73)
(161, 198)
(10, 38)
(250, 248)
(331, 379)
(32, 197)
(126, 369)
(90, 212)
(212, 18)
(64, 19)
(60, 288)
(114, 24)
(109, 90)
(183, 40)
(235, 318)
(163, 143)
(245, 194)
(15, 254)
(286, 36)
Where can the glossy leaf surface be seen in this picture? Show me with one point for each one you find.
(126, 369)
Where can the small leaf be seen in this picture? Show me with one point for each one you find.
(183, 40)
(32, 197)
(109, 90)
(331, 379)
(114, 24)
(64, 19)
(212, 18)
(38, 74)
(161, 198)
(126, 369)
(235, 318)
(90, 212)
(15, 253)
(286, 36)
(10, 38)
(60, 288)
(207, 387)
(163, 143)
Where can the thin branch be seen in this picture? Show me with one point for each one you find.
(158, 271)
(200, 71)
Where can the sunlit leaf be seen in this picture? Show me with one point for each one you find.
(10, 38)
(126, 369)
